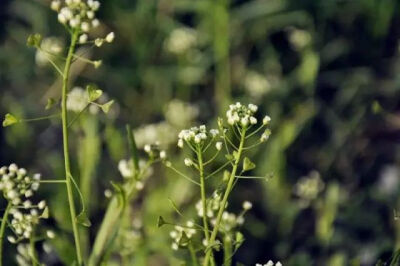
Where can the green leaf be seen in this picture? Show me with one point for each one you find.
(93, 92)
(83, 219)
(34, 40)
(46, 213)
(106, 107)
(248, 165)
(50, 103)
(9, 120)
(160, 222)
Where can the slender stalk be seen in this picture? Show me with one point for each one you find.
(227, 251)
(32, 251)
(2, 230)
(193, 255)
(203, 194)
(225, 198)
(68, 176)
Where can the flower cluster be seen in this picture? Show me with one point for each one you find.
(50, 47)
(242, 115)
(181, 40)
(308, 187)
(154, 152)
(80, 15)
(269, 263)
(197, 136)
(231, 221)
(24, 223)
(213, 205)
(17, 187)
(16, 184)
(181, 235)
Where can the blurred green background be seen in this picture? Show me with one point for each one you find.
(325, 71)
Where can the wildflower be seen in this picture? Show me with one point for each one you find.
(308, 187)
(83, 38)
(163, 155)
(241, 115)
(110, 37)
(181, 40)
(266, 120)
(179, 232)
(197, 136)
(77, 99)
(256, 84)
(218, 145)
(247, 205)
(180, 114)
(188, 162)
(49, 48)
(108, 193)
(269, 263)
(265, 136)
(125, 167)
(50, 234)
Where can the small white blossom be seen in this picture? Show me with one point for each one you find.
(218, 145)
(110, 37)
(188, 162)
(266, 120)
(50, 234)
(247, 205)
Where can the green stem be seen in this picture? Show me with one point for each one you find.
(225, 199)
(32, 251)
(203, 194)
(193, 255)
(2, 230)
(68, 176)
(227, 251)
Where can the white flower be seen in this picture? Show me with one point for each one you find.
(77, 99)
(266, 120)
(110, 37)
(188, 162)
(247, 205)
(139, 185)
(253, 120)
(50, 234)
(83, 38)
(108, 193)
(98, 42)
(163, 154)
(181, 40)
(42, 205)
(11, 239)
(218, 145)
(180, 143)
(125, 167)
(55, 5)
